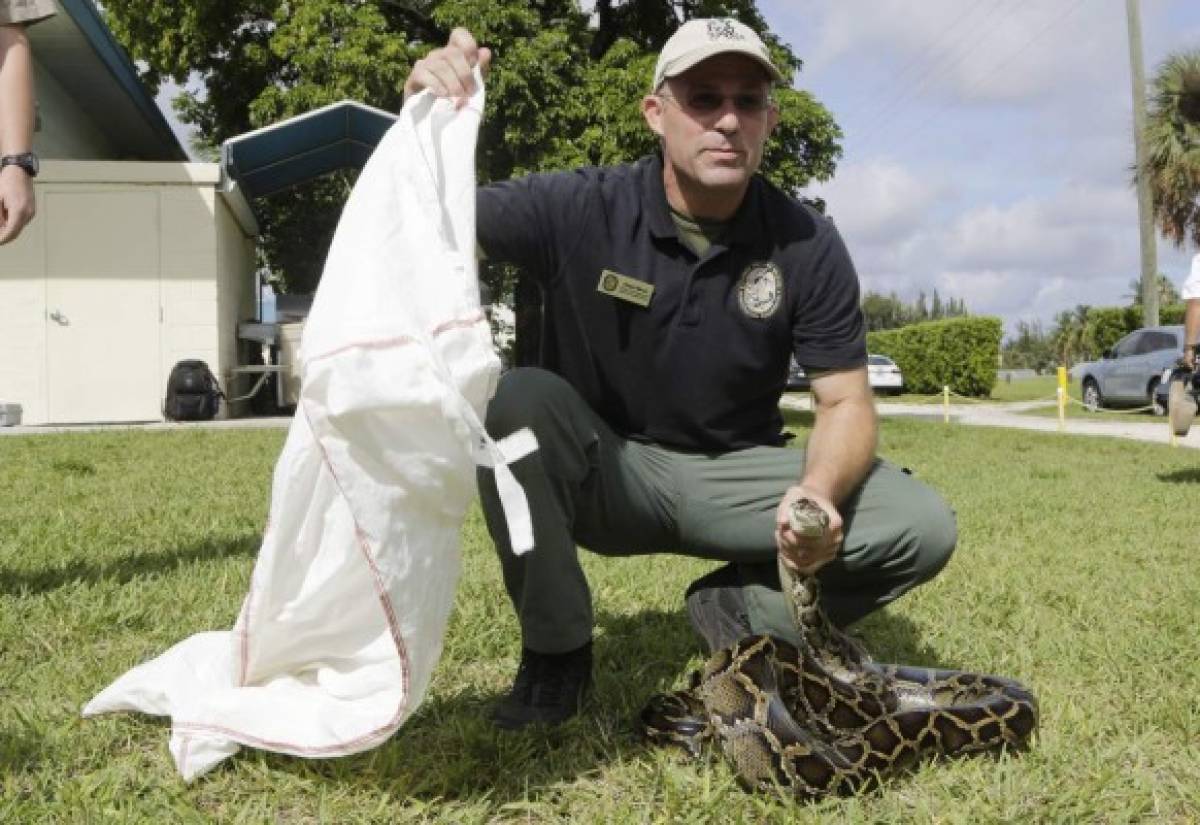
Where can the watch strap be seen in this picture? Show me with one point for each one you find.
(26, 160)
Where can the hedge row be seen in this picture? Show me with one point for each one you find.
(1107, 325)
(959, 352)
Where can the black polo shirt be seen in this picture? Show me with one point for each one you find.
(702, 368)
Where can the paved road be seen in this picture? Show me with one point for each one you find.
(1009, 415)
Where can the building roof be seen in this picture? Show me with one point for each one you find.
(285, 154)
(84, 57)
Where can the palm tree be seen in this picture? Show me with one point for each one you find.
(1167, 293)
(1173, 147)
(1070, 335)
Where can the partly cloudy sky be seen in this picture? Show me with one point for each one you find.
(987, 143)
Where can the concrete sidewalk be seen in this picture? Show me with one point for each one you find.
(279, 422)
(1009, 415)
(982, 414)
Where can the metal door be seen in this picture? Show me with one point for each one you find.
(103, 307)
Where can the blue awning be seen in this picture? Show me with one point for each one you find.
(291, 152)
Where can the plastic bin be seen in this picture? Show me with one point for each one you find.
(10, 414)
(289, 356)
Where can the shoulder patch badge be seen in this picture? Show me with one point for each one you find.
(760, 289)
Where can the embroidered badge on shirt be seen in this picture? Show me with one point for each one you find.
(760, 289)
(624, 288)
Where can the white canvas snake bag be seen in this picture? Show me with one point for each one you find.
(354, 582)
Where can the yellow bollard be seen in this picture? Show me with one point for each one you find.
(1062, 379)
(1062, 404)
(945, 403)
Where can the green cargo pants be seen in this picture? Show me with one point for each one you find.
(589, 487)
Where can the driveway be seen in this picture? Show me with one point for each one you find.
(1009, 415)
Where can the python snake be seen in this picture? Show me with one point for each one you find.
(822, 718)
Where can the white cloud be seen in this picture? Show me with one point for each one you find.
(1056, 232)
(1031, 258)
(878, 202)
(996, 51)
(988, 144)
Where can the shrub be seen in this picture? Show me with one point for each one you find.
(1171, 313)
(959, 352)
(1107, 325)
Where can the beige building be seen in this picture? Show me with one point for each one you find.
(137, 258)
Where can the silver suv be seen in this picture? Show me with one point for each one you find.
(1129, 373)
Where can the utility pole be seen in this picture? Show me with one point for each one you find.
(1145, 207)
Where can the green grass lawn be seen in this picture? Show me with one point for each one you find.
(1039, 388)
(1028, 389)
(1078, 412)
(1024, 389)
(1076, 573)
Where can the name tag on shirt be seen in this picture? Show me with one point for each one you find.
(624, 288)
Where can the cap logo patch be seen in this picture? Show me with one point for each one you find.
(760, 289)
(723, 30)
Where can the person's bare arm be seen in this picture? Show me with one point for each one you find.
(16, 129)
(447, 71)
(840, 452)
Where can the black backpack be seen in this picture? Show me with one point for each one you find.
(193, 393)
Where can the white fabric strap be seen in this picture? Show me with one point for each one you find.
(498, 455)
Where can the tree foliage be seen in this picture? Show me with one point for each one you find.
(1173, 143)
(564, 89)
(1167, 293)
(1031, 348)
(1070, 335)
(1085, 332)
(889, 312)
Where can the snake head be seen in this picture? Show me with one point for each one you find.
(807, 518)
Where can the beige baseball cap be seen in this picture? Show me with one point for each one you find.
(702, 38)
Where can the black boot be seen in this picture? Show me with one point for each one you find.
(717, 608)
(549, 689)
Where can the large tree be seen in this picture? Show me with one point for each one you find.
(1173, 141)
(564, 89)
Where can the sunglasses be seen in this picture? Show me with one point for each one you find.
(705, 103)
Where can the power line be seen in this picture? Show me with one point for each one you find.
(901, 75)
(939, 66)
(1068, 9)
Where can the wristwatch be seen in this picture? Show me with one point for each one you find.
(26, 160)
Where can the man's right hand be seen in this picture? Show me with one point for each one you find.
(16, 202)
(447, 71)
(1188, 359)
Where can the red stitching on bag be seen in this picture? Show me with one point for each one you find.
(376, 577)
(400, 340)
(393, 628)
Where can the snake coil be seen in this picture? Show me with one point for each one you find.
(822, 717)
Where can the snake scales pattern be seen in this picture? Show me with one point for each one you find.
(823, 718)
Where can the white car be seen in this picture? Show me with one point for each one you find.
(884, 375)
